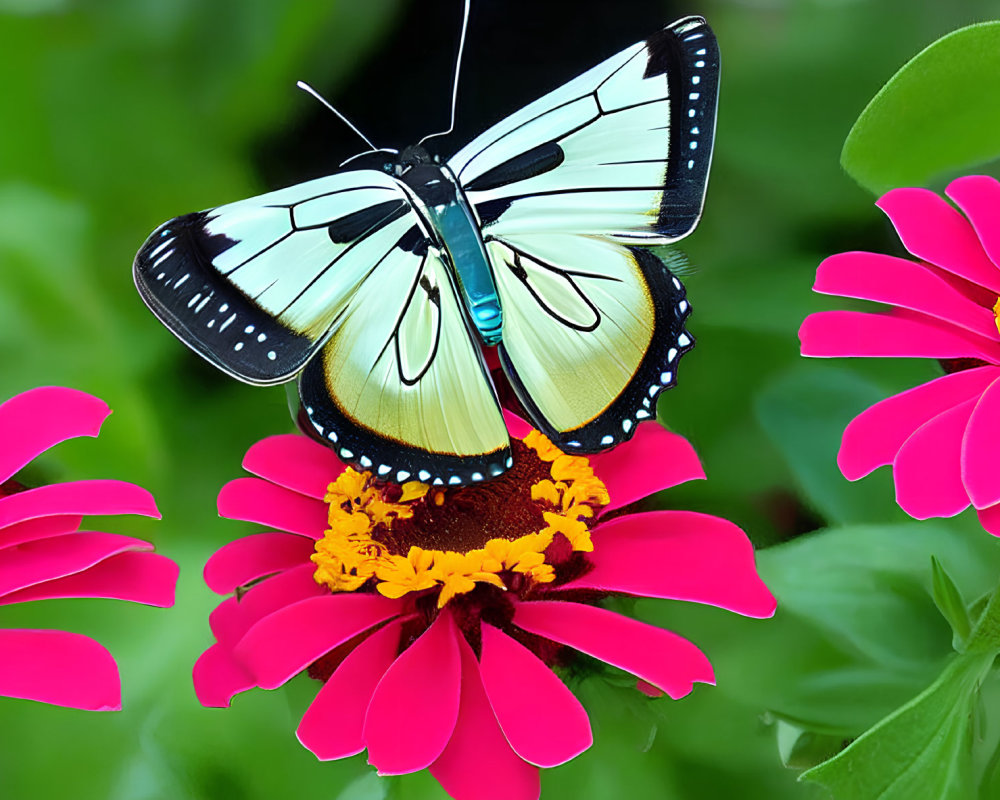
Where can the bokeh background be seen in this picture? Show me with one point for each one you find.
(117, 115)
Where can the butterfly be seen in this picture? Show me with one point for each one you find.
(383, 285)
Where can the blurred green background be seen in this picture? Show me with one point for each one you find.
(120, 114)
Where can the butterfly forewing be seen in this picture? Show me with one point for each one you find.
(400, 388)
(255, 286)
(622, 151)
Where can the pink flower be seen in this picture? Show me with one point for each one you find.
(43, 555)
(941, 437)
(438, 655)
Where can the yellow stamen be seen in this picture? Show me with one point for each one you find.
(996, 314)
(413, 490)
(348, 557)
(400, 575)
(538, 442)
(573, 529)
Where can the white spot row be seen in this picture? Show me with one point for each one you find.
(402, 475)
(693, 97)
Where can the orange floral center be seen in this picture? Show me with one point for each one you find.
(511, 533)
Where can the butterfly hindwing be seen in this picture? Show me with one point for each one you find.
(593, 332)
(400, 388)
(255, 286)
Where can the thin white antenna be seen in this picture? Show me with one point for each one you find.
(305, 87)
(458, 70)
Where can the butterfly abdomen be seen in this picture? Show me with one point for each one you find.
(440, 202)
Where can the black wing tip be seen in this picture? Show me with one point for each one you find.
(656, 373)
(387, 460)
(208, 314)
(687, 53)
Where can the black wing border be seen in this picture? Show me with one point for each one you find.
(687, 53)
(657, 371)
(174, 256)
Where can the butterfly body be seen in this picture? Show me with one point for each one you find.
(381, 284)
(450, 220)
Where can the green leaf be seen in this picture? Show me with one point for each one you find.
(985, 637)
(949, 601)
(922, 751)
(940, 113)
(867, 585)
(800, 748)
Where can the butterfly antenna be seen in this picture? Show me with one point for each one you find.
(305, 87)
(458, 70)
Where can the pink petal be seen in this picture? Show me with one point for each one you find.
(218, 677)
(244, 560)
(928, 467)
(677, 555)
(659, 657)
(413, 710)
(284, 643)
(934, 231)
(46, 559)
(34, 421)
(80, 497)
(980, 447)
(256, 500)
(477, 763)
(648, 689)
(653, 460)
(40, 528)
(989, 518)
(65, 669)
(333, 727)
(295, 462)
(979, 197)
(516, 426)
(226, 622)
(873, 438)
(896, 281)
(544, 723)
(834, 334)
(146, 578)
(234, 617)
